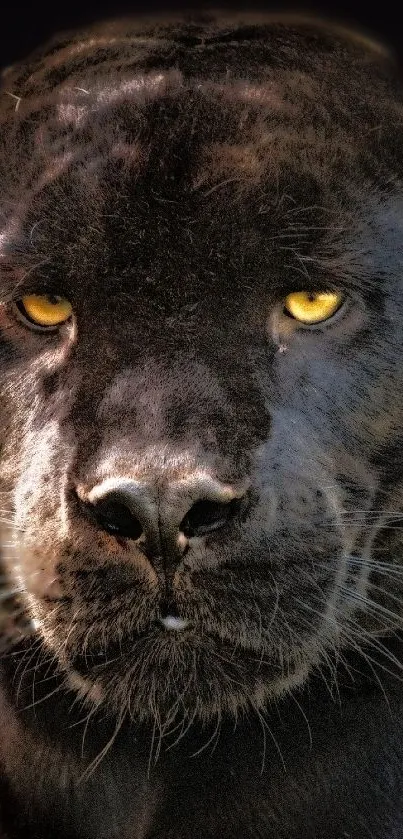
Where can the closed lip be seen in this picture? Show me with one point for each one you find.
(96, 659)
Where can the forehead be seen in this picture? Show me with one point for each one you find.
(184, 155)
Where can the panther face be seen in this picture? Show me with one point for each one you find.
(201, 346)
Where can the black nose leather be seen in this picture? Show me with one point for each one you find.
(163, 515)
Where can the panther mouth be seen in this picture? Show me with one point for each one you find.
(174, 623)
(96, 660)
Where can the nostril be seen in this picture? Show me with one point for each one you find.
(116, 518)
(205, 516)
(155, 515)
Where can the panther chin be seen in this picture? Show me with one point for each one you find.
(173, 670)
(175, 675)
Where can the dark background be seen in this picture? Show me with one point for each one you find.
(23, 26)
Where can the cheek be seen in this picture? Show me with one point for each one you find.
(44, 454)
(39, 521)
(33, 565)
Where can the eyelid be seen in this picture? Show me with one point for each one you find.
(28, 289)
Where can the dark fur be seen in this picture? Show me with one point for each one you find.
(175, 180)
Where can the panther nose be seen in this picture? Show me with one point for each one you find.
(163, 515)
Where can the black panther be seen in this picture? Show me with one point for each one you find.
(201, 459)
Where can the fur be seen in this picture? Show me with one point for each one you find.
(226, 662)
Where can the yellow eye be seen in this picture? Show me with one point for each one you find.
(45, 309)
(312, 306)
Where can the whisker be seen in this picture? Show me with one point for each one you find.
(8, 593)
(98, 759)
(376, 565)
(376, 608)
(36, 702)
(350, 633)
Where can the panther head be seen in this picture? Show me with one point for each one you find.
(201, 347)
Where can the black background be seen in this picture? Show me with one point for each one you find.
(24, 26)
